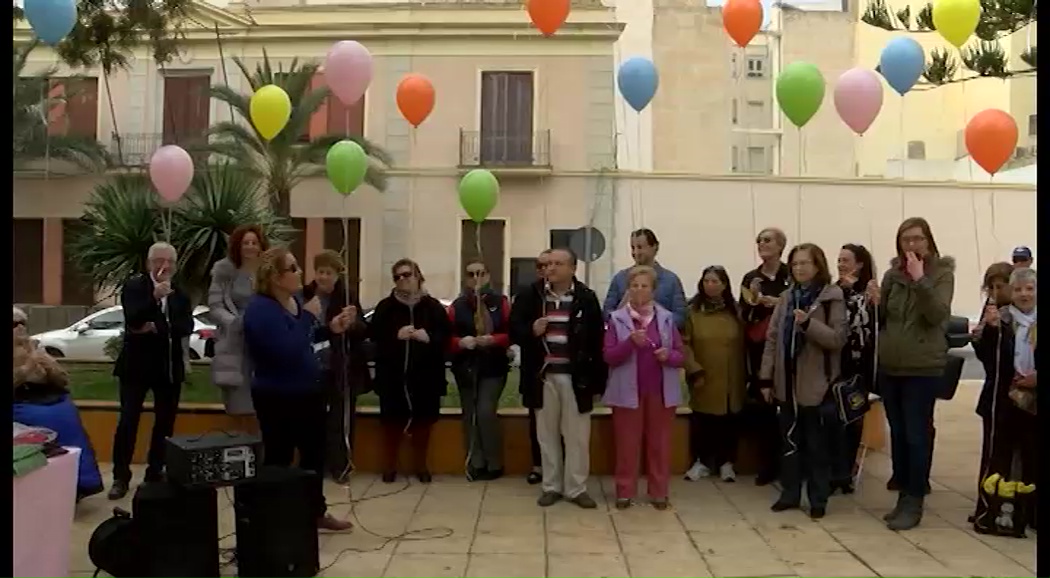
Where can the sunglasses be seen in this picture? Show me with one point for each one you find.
(403, 275)
(475, 274)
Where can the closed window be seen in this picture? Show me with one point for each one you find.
(1033, 125)
(506, 117)
(917, 150)
(756, 67)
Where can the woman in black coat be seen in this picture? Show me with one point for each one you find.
(411, 332)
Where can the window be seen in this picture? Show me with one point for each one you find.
(755, 67)
(76, 113)
(756, 112)
(1033, 125)
(733, 66)
(77, 288)
(756, 160)
(917, 150)
(734, 111)
(338, 118)
(27, 260)
(560, 237)
(506, 118)
(187, 108)
(108, 320)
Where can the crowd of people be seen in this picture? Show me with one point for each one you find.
(770, 364)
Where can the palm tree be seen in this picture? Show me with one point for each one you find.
(32, 107)
(283, 162)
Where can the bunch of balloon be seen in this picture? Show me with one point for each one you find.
(171, 172)
(548, 15)
(478, 195)
(637, 80)
(858, 100)
(51, 20)
(800, 92)
(346, 165)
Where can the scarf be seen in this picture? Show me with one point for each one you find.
(642, 315)
(803, 298)
(712, 304)
(1024, 340)
(410, 299)
(482, 319)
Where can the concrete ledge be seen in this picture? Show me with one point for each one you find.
(446, 448)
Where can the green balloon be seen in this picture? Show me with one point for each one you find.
(478, 194)
(346, 164)
(800, 92)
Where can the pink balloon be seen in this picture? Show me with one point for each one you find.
(858, 98)
(171, 170)
(348, 70)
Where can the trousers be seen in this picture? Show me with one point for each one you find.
(564, 472)
(640, 433)
(292, 422)
(909, 402)
(165, 409)
(482, 432)
(805, 459)
(713, 438)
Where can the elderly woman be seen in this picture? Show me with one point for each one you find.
(644, 351)
(286, 388)
(1007, 348)
(715, 371)
(231, 288)
(42, 400)
(411, 331)
(803, 354)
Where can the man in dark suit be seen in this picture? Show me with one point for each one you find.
(157, 316)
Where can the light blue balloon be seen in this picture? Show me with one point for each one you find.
(902, 63)
(638, 82)
(52, 20)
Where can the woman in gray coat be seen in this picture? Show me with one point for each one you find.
(232, 281)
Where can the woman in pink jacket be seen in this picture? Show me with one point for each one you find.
(644, 351)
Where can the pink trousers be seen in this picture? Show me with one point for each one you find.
(650, 422)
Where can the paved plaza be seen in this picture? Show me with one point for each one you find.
(714, 529)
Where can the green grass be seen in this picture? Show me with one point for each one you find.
(95, 381)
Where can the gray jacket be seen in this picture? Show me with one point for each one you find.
(228, 295)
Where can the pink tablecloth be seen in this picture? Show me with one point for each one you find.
(44, 504)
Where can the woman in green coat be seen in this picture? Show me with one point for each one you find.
(713, 337)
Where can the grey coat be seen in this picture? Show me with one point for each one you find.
(228, 296)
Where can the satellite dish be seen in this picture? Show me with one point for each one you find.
(590, 250)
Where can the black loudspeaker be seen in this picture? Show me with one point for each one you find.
(178, 529)
(276, 525)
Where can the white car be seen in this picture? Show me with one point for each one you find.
(86, 339)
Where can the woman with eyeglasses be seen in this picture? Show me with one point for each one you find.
(916, 297)
(411, 331)
(803, 355)
(287, 391)
(714, 369)
(861, 291)
(759, 293)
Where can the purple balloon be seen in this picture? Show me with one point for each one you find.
(348, 70)
(858, 98)
(171, 170)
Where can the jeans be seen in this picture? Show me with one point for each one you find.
(806, 458)
(482, 432)
(843, 445)
(909, 402)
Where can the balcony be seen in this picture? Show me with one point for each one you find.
(135, 149)
(506, 154)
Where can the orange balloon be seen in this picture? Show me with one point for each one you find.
(742, 19)
(415, 98)
(548, 15)
(991, 139)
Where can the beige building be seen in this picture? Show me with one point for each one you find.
(542, 114)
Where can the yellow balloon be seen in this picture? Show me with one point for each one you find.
(956, 19)
(270, 109)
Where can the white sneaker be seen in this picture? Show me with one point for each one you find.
(727, 472)
(697, 471)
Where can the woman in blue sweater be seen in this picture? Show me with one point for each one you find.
(286, 390)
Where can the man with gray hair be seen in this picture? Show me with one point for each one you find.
(157, 316)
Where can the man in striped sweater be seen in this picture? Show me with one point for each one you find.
(559, 328)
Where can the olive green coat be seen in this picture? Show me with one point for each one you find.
(714, 361)
(915, 317)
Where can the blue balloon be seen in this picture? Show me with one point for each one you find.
(638, 82)
(902, 63)
(52, 20)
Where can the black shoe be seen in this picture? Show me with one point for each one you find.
(118, 490)
(153, 477)
(549, 499)
(584, 501)
(817, 513)
(896, 509)
(424, 477)
(844, 486)
(492, 475)
(389, 477)
(764, 479)
(475, 474)
(534, 478)
(781, 506)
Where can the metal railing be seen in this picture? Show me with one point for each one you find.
(506, 150)
(135, 149)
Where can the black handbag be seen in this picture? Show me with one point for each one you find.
(848, 395)
(953, 369)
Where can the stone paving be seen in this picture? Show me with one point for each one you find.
(714, 528)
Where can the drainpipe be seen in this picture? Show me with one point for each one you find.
(776, 28)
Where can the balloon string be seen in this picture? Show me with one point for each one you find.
(167, 226)
(976, 231)
(969, 160)
(346, 253)
(477, 240)
(638, 181)
(904, 158)
(798, 190)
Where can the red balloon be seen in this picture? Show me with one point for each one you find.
(415, 98)
(548, 15)
(742, 19)
(991, 139)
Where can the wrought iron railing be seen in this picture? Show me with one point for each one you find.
(504, 150)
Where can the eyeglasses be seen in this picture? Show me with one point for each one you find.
(908, 240)
(403, 275)
(475, 274)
